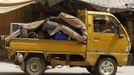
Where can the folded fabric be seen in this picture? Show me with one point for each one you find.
(62, 22)
(76, 22)
(33, 25)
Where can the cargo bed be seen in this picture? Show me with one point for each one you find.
(46, 45)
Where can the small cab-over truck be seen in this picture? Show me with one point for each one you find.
(107, 46)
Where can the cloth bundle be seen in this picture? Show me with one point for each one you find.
(71, 20)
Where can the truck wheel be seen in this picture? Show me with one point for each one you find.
(90, 69)
(106, 66)
(35, 66)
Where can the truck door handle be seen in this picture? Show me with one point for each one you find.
(96, 40)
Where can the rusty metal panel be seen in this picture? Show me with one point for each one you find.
(112, 6)
(112, 3)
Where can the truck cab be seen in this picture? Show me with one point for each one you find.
(107, 46)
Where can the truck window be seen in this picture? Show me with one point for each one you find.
(101, 24)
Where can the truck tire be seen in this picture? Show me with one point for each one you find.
(90, 69)
(106, 66)
(35, 66)
(32, 35)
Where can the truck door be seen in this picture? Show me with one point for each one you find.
(106, 35)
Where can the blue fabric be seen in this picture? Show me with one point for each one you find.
(61, 36)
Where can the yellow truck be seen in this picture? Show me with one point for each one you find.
(107, 46)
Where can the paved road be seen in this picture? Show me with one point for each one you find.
(10, 69)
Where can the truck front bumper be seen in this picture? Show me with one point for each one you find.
(130, 59)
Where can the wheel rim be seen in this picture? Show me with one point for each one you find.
(107, 68)
(35, 66)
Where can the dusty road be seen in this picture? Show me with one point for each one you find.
(10, 69)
